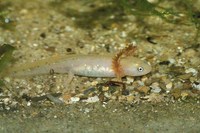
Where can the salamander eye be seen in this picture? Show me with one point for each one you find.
(140, 69)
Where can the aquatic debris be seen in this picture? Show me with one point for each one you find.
(54, 99)
(6, 58)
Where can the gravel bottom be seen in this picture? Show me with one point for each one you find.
(167, 99)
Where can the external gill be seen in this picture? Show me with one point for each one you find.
(119, 72)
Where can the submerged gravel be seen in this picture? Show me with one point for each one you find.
(48, 28)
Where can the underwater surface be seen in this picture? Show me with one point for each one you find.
(38, 34)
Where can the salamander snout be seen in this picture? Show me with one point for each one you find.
(142, 68)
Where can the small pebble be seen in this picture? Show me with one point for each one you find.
(7, 79)
(6, 100)
(28, 103)
(155, 87)
(69, 29)
(68, 49)
(39, 86)
(191, 70)
(169, 85)
(123, 34)
(129, 80)
(190, 53)
(23, 11)
(88, 91)
(185, 76)
(143, 89)
(74, 99)
(140, 83)
(154, 97)
(184, 95)
(187, 85)
(122, 98)
(163, 86)
(176, 93)
(35, 44)
(130, 98)
(66, 97)
(144, 79)
(50, 49)
(196, 85)
(172, 61)
(153, 1)
(125, 92)
(86, 110)
(92, 99)
(105, 88)
(43, 35)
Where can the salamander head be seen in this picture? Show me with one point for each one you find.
(133, 66)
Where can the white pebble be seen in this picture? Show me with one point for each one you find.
(7, 79)
(172, 61)
(35, 44)
(73, 18)
(7, 20)
(140, 83)
(39, 86)
(155, 88)
(152, 1)
(115, 110)
(86, 110)
(6, 101)
(129, 80)
(169, 85)
(196, 86)
(68, 29)
(123, 34)
(92, 99)
(23, 11)
(191, 70)
(74, 99)
(12, 41)
(112, 17)
(28, 103)
(7, 108)
(35, 29)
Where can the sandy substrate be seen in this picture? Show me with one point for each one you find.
(108, 118)
(165, 100)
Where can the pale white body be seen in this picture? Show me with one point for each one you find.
(84, 65)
